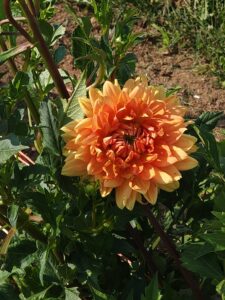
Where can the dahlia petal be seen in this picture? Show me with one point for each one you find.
(186, 142)
(173, 172)
(139, 185)
(131, 200)
(111, 90)
(152, 193)
(194, 148)
(162, 162)
(86, 106)
(170, 187)
(105, 191)
(94, 95)
(147, 173)
(75, 167)
(93, 167)
(137, 92)
(161, 177)
(186, 164)
(113, 182)
(179, 153)
(85, 123)
(123, 192)
(129, 85)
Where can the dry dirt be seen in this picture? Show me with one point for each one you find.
(200, 92)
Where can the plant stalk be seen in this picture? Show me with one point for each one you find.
(168, 244)
(44, 51)
(8, 13)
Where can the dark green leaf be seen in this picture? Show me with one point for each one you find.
(217, 239)
(126, 67)
(209, 119)
(205, 266)
(59, 54)
(13, 214)
(73, 110)
(8, 292)
(10, 146)
(152, 291)
(49, 128)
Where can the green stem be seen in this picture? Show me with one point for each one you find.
(44, 51)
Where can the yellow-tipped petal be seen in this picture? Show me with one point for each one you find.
(186, 164)
(123, 192)
(86, 106)
(152, 193)
(170, 187)
(75, 167)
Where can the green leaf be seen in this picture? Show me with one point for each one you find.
(73, 110)
(13, 215)
(7, 292)
(10, 146)
(220, 288)
(152, 291)
(59, 54)
(217, 239)
(98, 295)
(46, 30)
(209, 119)
(210, 150)
(206, 265)
(49, 128)
(126, 67)
(4, 275)
(4, 56)
(72, 294)
(40, 295)
(43, 263)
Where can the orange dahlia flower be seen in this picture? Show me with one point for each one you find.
(132, 139)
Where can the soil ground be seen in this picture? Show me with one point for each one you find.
(200, 92)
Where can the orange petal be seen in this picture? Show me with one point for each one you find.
(152, 193)
(123, 193)
(94, 95)
(173, 172)
(161, 177)
(147, 173)
(139, 185)
(186, 164)
(86, 106)
(111, 90)
(170, 187)
(75, 167)
(131, 200)
(179, 153)
(105, 191)
(186, 142)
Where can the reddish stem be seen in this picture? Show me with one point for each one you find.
(168, 244)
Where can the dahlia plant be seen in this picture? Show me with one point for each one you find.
(75, 150)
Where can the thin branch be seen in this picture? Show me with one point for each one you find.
(168, 244)
(14, 22)
(139, 244)
(44, 51)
